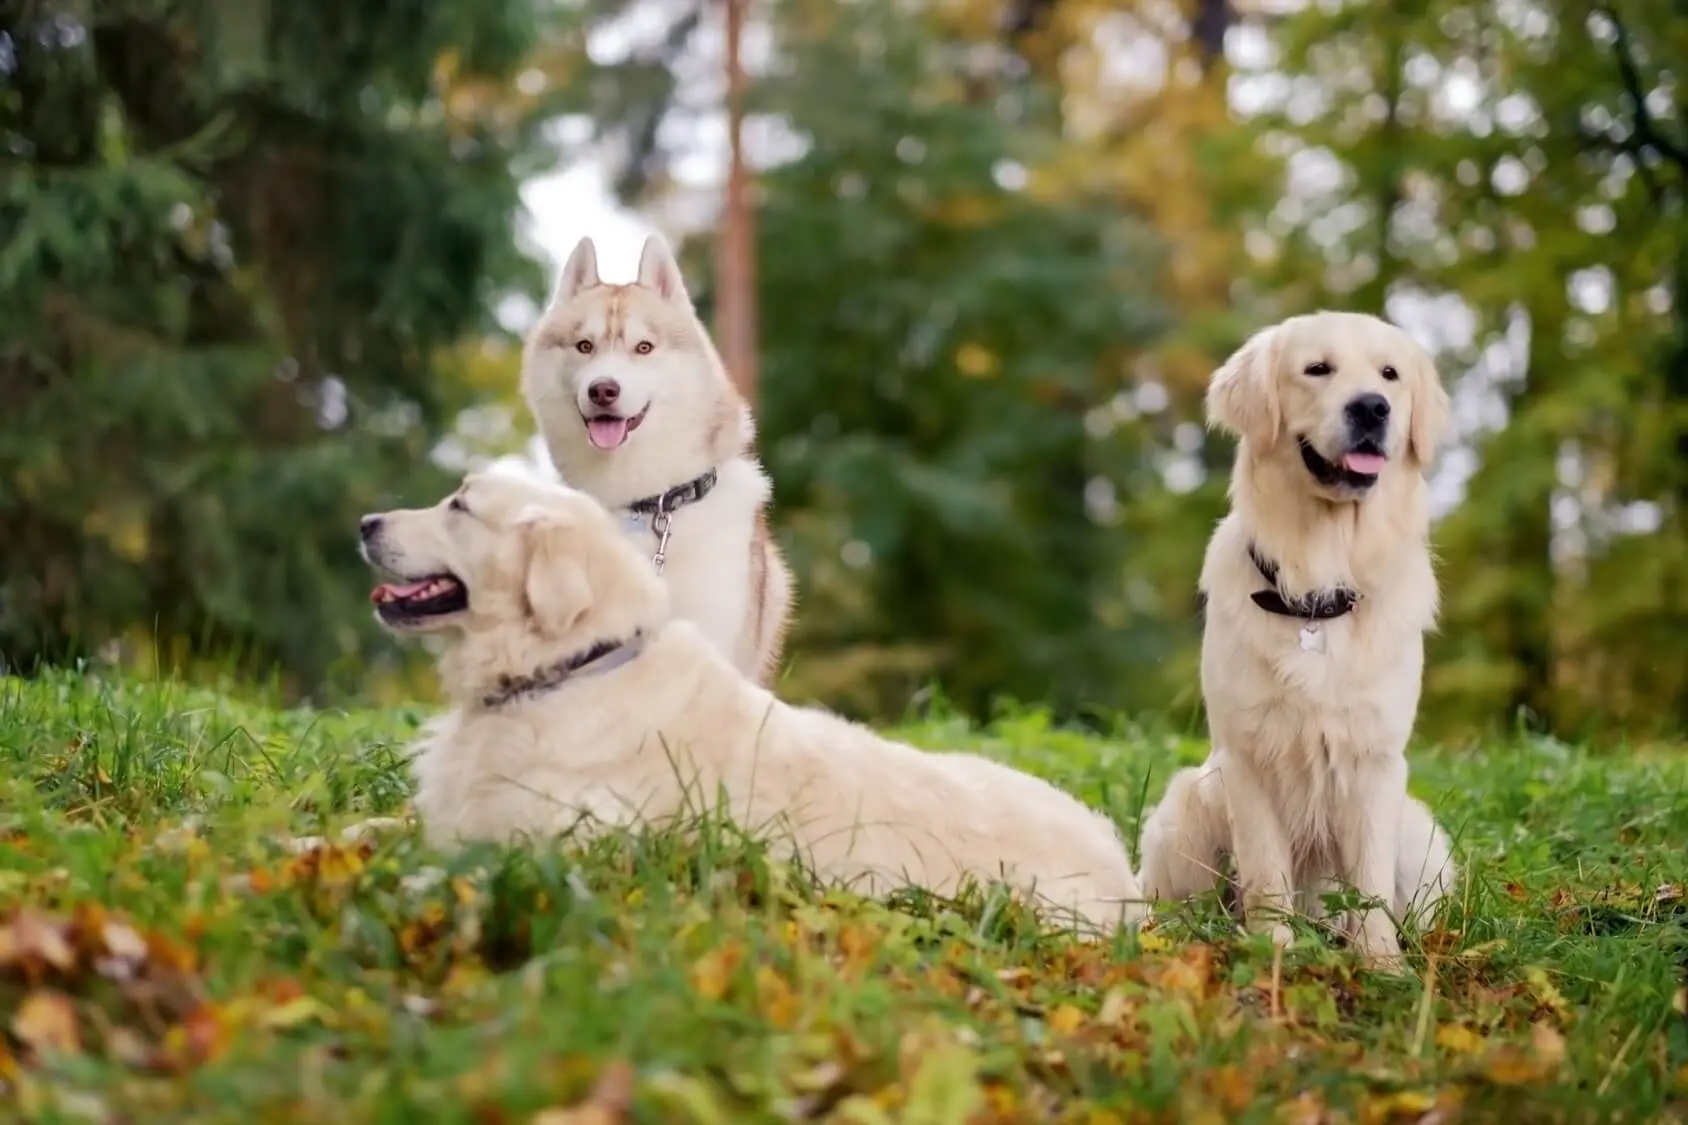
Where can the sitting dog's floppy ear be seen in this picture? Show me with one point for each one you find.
(555, 592)
(1243, 396)
(1430, 413)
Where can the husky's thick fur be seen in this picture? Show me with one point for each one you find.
(1319, 590)
(637, 411)
(574, 695)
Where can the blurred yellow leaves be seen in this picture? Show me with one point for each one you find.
(976, 362)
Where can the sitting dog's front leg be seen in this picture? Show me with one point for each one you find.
(1370, 844)
(1260, 849)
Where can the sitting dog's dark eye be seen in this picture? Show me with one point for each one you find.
(1319, 368)
(457, 504)
(644, 347)
(584, 347)
(1391, 374)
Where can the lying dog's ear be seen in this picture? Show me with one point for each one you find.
(580, 272)
(1430, 413)
(658, 270)
(555, 592)
(1243, 396)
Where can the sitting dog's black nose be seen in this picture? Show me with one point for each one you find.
(368, 526)
(1368, 410)
(604, 392)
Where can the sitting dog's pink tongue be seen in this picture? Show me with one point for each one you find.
(1368, 464)
(607, 433)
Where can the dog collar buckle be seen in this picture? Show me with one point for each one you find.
(661, 508)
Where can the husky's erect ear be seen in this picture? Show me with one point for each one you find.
(1243, 396)
(1431, 411)
(579, 272)
(658, 270)
(556, 593)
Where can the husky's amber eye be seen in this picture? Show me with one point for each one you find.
(584, 347)
(644, 347)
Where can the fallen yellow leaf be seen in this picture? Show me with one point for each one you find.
(46, 1021)
(1066, 1019)
(1407, 1105)
(1511, 1066)
(1149, 941)
(300, 1009)
(713, 972)
(1458, 1039)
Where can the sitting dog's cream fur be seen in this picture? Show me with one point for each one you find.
(1311, 703)
(574, 692)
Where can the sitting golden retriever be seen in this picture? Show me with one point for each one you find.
(576, 699)
(1319, 590)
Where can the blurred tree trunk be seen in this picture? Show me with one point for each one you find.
(1212, 19)
(735, 263)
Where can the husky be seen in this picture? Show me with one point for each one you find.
(637, 411)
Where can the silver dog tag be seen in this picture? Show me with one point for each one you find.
(1312, 639)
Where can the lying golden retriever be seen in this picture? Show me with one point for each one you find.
(578, 700)
(1319, 590)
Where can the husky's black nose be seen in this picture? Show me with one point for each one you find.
(368, 526)
(1367, 413)
(604, 392)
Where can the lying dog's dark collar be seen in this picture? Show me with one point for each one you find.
(677, 497)
(1320, 605)
(601, 657)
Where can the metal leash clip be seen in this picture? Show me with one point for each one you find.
(662, 523)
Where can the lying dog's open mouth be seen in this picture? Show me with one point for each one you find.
(1358, 468)
(608, 431)
(435, 596)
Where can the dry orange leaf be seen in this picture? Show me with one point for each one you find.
(776, 998)
(46, 1021)
(713, 972)
(34, 940)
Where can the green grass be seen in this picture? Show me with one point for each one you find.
(213, 976)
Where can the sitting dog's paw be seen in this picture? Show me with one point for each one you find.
(1378, 944)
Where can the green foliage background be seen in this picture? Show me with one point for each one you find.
(252, 255)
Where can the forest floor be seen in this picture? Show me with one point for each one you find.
(166, 957)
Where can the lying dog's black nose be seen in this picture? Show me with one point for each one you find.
(1367, 411)
(368, 526)
(604, 392)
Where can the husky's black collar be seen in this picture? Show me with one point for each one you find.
(601, 657)
(1319, 605)
(677, 497)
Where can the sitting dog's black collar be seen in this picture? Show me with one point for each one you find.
(602, 657)
(1320, 605)
(677, 497)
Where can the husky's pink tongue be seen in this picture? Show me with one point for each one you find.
(607, 433)
(1368, 464)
